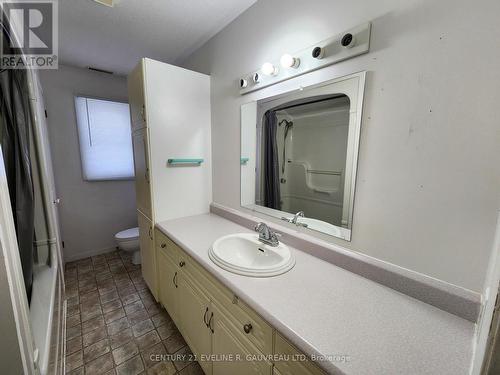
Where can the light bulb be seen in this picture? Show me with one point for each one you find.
(288, 61)
(269, 69)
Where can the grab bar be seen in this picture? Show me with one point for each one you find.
(184, 161)
(331, 173)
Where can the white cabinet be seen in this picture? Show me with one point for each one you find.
(148, 256)
(170, 116)
(142, 173)
(226, 334)
(168, 284)
(137, 97)
(196, 315)
(227, 340)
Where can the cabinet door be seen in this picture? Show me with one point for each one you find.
(136, 97)
(178, 132)
(227, 340)
(142, 172)
(147, 253)
(168, 274)
(283, 349)
(194, 314)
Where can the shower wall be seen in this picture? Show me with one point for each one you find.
(315, 155)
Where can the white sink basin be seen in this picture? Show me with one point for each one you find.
(244, 254)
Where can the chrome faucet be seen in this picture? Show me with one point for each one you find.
(266, 235)
(296, 217)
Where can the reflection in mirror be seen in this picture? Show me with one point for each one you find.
(299, 154)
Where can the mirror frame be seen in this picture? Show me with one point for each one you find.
(353, 86)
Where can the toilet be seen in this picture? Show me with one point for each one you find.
(128, 240)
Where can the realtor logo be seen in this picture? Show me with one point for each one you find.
(30, 34)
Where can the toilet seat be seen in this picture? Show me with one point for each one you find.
(128, 235)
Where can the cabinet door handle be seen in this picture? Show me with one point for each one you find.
(175, 279)
(247, 328)
(210, 322)
(146, 175)
(182, 263)
(205, 317)
(150, 233)
(163, 245)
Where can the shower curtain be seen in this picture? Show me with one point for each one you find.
(15, 122)
(272, 195)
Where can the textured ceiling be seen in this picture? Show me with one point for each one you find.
(116, 38)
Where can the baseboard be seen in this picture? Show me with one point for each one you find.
(86, 254)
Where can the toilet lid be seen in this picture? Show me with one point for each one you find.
(128, 234)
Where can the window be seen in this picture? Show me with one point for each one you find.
(105, 139)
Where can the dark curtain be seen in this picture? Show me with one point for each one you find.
(15, 122)
(272, 195)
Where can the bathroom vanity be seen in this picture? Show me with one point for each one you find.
(225, 334)
(348, 323)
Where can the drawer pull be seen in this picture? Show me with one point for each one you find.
(247, 328)
(182, 263)
(163, 245)
(210, 322)
(175, 279)
(205, 317)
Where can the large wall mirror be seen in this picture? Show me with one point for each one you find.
(299, 153)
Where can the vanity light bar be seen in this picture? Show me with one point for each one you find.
(346, 45)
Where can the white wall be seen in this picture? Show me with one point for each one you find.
(428, 180)
(90, 212)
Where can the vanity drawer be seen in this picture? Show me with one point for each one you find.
(260, 332)
(284, 349)
(167, 246)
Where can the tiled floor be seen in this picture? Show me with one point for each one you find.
(114, 325)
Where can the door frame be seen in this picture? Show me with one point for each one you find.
(483, 339)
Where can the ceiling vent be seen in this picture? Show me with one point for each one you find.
(108, 3)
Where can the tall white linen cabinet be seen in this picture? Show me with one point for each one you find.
(170, 117)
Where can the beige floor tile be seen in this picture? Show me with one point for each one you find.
(133, 307)
(100, 365)
(174, 342)
(121, 338)
(114, 315)
(111, 320)
(94, 336)
(133, 366)
(163, 368)
(117, 326)
(149, 339)
(125, 352)
(183, 358)
(73, 332)
(93, 324)
(137, 316)
(110, 306)
(141, 328)
(167, 330)
(73, 361)
(192, 369)
(153, 355)
(74, 345)
(96, 350)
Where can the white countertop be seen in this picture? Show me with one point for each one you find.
(326, 310)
